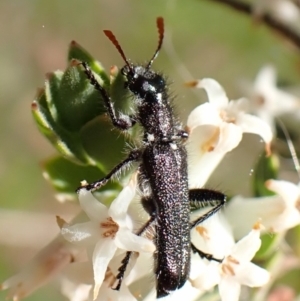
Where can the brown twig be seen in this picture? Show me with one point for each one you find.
(267, 19)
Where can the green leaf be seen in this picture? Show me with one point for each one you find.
(77, 52)
(78, 101)
(52, 88)
(69, 145)
(104, 144)
(65, 176)
(266, 169)
(292, 239)
(70, 112)
(290, 279)
(121, 97)
(269, 245)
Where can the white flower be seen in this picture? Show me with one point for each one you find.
(77, 285)
(290, 193)
(216, 128)
(267, 101)
(212, 237)
(75, 291)
(235, 269)
(187, 292)
(47, 264)
(77, 281)
(108, 229)
(277, 213)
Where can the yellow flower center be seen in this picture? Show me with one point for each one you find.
(110, 228)
(203, 232)
(209, 145)
(228, 266)
(226, 117)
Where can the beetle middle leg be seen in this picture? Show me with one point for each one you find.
(200, 198)
(148, 225)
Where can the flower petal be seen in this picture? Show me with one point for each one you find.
(287, 190)
(213, 233)
(265, 79)
(118, 208)
(207, 273)
(246, 248)
(215, 92)
(126, 240)
(80, 271)
(207, 147)
(230, 137)
(287, 220)
(75, 291)
(91, 206)
(103, 253)
(201, 167)
(84, 232)
(276, 101)
(229, 289)
(252, 275)
(254, 125)
(273, 212)
(202, 157)
(140, 265)
(41, 269)
(203, 114)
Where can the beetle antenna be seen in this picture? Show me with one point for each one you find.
(114, 40)
(161, 30)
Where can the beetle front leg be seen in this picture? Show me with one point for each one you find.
(133, 157)
(122, 123)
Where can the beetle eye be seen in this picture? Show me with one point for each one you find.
(124, 71)
(159, 84)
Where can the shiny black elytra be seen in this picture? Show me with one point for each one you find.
(162, 171)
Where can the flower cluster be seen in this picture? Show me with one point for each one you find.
(109, 229)
(91, 249)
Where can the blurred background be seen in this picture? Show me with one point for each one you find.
(203, 39)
